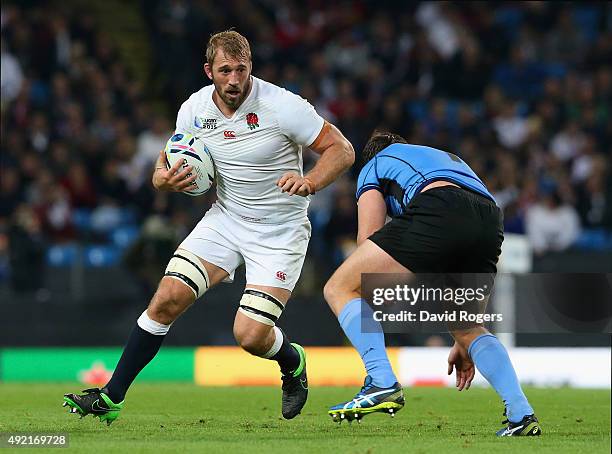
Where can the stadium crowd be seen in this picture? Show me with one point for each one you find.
(522, 91)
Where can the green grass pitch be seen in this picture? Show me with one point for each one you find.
(186, 418)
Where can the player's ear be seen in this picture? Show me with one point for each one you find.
(208, 70)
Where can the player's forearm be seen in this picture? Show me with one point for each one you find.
(334, 161)
(371, 214)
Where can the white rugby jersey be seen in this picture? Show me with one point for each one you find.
(254, 148)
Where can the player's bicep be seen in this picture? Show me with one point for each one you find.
(329, 136)
(372, 213)
(298, 119)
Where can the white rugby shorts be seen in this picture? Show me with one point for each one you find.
(273, 254)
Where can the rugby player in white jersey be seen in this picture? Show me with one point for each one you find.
(255, 132)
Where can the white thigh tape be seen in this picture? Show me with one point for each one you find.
(186, 267)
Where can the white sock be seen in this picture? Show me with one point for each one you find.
(151, 326)
(276, 345)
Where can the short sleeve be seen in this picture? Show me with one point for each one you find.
(367, 179)
(298, 120)
(185, 119)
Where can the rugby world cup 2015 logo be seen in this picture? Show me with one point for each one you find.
(205, 123)
(252, 121)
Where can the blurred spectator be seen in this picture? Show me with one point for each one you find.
(54, 211)
(568, 143)
(552, 225)
(79, 186)
(594, 201)
(152, 250)
(26, 250)
(11, 76)
(111, 185)
(10, 192)
(149, 143)
(441, 29)
(565, 43)
(40, 135)
(512, 130)
(341, 229)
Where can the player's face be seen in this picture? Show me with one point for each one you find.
(231, 78)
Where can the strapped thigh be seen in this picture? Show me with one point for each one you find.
(186, 267)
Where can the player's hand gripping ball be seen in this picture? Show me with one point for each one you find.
(191, 152)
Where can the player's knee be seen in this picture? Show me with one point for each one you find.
(261, 311)
(332, 291)
(249, 341)
(170, 301)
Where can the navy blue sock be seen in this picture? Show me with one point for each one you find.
(140, 349)
(492, 361)
(371, 346)
(287, 357)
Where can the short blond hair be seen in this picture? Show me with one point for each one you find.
(233, 44)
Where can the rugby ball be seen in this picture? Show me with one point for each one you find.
(193, 152)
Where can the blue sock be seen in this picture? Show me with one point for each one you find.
(371, 346)
(492, 361)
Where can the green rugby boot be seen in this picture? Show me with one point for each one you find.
(295, 388)
(94, 402)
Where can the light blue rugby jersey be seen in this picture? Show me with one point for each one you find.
(401, 170)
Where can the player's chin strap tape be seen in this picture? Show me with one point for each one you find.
(260, 306)
(187, 268)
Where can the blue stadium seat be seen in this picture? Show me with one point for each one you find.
(101, 256)
(592, 239)
(417, 109)
(81, 219)
(127, 216)
(452, 111)
(510, 18)
(609, 241)
(124, 236)
(61, 255)
(556, 70)
(586, 18)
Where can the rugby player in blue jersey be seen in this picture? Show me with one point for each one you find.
(443, 220)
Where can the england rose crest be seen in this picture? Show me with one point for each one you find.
(252, 120)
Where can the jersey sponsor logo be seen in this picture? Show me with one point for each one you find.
(229, 134)
(205, 123)
(252, 120)
(281, 276)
